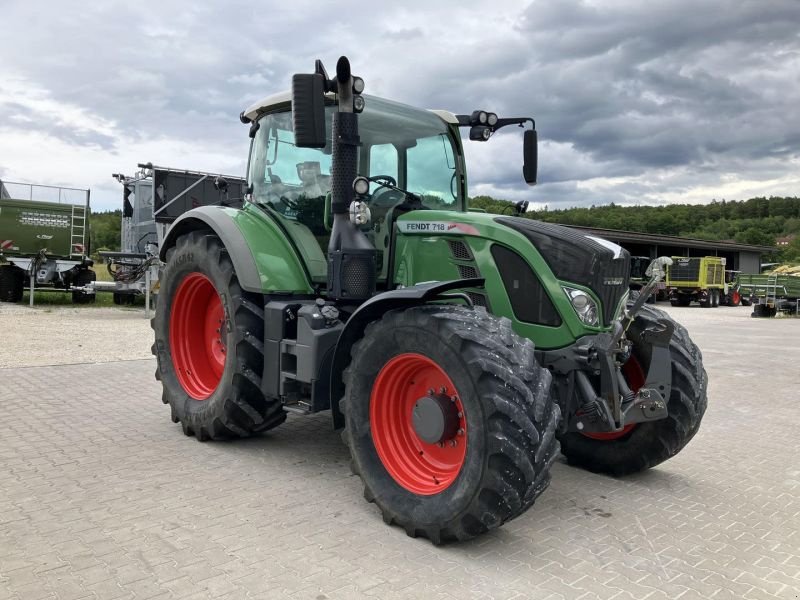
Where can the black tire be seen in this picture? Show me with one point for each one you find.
(82, 278)
(715, 298)
(124, 299)
(237, 407)
(762, 311)
(509, 414)
(649, 444)
(674, 303)
(745, 301)
(12, 283)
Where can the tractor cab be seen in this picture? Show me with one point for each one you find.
(402, 148)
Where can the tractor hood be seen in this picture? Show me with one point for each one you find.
(600, 265)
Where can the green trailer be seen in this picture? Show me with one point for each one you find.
(44, 241)
(698, 279)
(770, 293)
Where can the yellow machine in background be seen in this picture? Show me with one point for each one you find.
(696, 279)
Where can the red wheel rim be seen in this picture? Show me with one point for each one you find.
(196, 328)
(735, 298)
(417, 466)
(634, 375)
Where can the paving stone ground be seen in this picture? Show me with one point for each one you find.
(101, 496)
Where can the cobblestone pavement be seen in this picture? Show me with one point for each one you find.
(103, 497)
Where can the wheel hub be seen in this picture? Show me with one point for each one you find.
(418, 424)
(435, 418)
(196, 336)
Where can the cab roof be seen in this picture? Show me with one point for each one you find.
(275, 100)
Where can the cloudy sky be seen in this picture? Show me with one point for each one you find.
(635, 102)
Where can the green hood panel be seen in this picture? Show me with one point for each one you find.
(424, 253)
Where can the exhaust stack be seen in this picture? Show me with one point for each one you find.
(351, 256)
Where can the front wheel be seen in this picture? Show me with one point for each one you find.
(209, 339)
(449, 421)
(645, 445)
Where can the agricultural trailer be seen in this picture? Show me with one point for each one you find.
(696, 279)
(771, 293)
(454, 349)
(44, 241)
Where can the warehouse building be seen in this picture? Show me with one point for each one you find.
(739, 257)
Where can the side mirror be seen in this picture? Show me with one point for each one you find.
(308, 110)
(530, 156)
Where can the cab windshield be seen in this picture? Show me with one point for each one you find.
(414, 147)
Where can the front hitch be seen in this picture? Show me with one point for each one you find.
(617, 405)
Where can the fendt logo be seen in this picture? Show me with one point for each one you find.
(43, 236)
(436, 227)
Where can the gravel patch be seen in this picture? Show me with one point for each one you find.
(55, 335)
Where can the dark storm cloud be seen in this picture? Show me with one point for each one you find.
(635, 102)
(666, 84)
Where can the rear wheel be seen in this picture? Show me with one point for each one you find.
(81, 279)
(209, 343)
(714, 298)
(648, 444)
(449, 421)
(12, 283)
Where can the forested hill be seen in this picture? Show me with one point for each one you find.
(755, 221)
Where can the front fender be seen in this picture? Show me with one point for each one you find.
(264, 259)
(371, 310)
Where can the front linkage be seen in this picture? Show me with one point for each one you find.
(595, 362)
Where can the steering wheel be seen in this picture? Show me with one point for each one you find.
(388, 178)
(385, 197)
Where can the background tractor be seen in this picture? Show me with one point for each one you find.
(354, 279)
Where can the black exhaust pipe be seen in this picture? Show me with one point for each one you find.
(352, 265)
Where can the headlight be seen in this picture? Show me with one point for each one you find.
(584, 306)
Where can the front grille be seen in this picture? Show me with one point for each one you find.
(467, 272)
(576, 257)
(528, 298)
(459, 250)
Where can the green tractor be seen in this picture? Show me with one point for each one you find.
(355, 279)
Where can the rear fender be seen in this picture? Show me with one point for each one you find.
(264, 259)
(372, 310)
